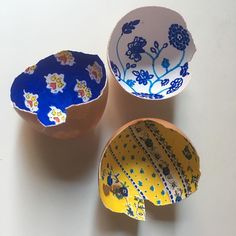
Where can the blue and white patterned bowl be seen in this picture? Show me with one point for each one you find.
(149, 53)
(57, 83)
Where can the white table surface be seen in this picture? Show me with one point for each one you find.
(49, 187)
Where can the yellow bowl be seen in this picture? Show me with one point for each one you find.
(147, 159)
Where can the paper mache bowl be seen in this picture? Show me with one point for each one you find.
(149, 53)
(63, 95)
(147, 159)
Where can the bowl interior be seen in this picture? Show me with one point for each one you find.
(149, 52)
(62, 80)
(147, 160)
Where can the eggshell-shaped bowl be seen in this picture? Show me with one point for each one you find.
(63, 95)
(149, 53)
(147, 159)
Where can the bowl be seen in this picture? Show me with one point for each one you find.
(64, 95)
(147, 159)
(149, 53)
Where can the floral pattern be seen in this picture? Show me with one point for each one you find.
(56, 116)
(175, 85)
(165, 82)
(148, 95)
(83, 91)
(142, 76)
(31, 101)
(95, 72)
(165, 63)
(140, 163)
(184, 70)
(129, 27)
(55, 82)
(65, 58)
(114, 185)
(178, 37)
(30, 70)
(135, 49)
(155, 76)
(131, 82)
(115, 70)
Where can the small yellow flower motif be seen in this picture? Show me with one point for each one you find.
(31, 101)
(30, 70)
(95, 72)
(55, 82)
(65, 58)
(56, 115)
(83, 91)
(60, 85)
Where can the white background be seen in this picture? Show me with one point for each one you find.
(49, 187)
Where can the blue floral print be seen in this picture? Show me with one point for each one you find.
(184, 70)
(142, 76)
(178, 37)
(175, 85)
(57, 82)
(115, 69)
(165, 63)
(135, 48)
(158, 77)
(165, 82)
(131, 82)
(129, 27)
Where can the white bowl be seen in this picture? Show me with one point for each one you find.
(149, 52)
